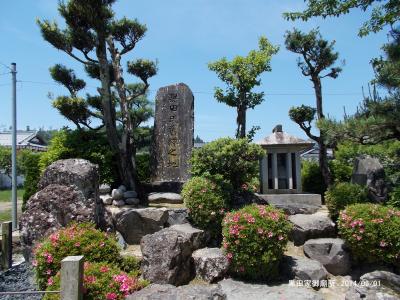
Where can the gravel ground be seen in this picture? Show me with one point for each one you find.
(18, 278)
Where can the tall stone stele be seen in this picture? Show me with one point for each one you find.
(173, 136)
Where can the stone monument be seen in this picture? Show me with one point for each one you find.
(173, 137)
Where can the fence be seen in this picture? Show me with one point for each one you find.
(71, 270)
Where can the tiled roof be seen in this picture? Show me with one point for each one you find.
(24, 139)
(278, 137)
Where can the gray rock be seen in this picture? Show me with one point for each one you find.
(332, 253)
(135, 223)
(122, 188)
(377, 285)
(173, 134)
(293, 204)
(310, 227)
(130, 194)
(237, 290)
(210, 264)
(118, 203)
(104, 189)
(167, 254)
(132, 201)
(116, 194)
(186, 292)
(121, 241)
(173, 198)
(177, 216)
(303, 268)
(107, 199)
(368, 171)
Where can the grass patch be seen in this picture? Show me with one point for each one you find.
(5, 215)
(5, 195)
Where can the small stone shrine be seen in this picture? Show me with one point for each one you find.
(173, 136)
(280, 168)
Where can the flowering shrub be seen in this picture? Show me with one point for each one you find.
(342, 194)
(372, 232)
(254, 239)
(77, 239)
(206, 203)
(101, 281)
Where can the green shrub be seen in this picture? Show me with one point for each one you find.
(101, 281)
(89, 145)
(394, 198)
(311, 178)
(338, 196)
(372, 232)
(341, 172)
(143, 166)
(30, 168)
(254, 239)
(206, 202)
(236, 161)
(77, 239)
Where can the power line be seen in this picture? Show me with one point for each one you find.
(5, 66)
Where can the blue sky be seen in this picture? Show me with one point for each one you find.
(184, 36)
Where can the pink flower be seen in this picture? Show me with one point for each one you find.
(90, 279)
(225, 245)
(77, 244)
(270, 234)
(251, 220)
(241, 269)
(237, 242)
(102, 244)
(245, 186)
(280, 238)
(104, 269)
(260, 230)
(49, 258)
(361, 230)
(357, 237)
(377, 221)
(204, 191)
(383, 244)
(50, 281)
(48, 272)
(229, 255)
(34, 263)
(111, 296)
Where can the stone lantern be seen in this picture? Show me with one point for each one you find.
(280, 168)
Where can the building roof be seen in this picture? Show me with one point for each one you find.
(25, 139)
(281, 138)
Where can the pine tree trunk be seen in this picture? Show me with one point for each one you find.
(241, 123)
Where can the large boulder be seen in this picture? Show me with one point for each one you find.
(331, 253)
(303, 268)
(50, 209)
(167, 254)
(135, 223)
(210, 264)
(172, 198)
(368, 171)
(177, 216)
(237, 290)
(186, 292)
(310, 227)
(376, 285)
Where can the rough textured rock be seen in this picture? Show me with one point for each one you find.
(368, 171)
(173, 198)
(236, 290)
(132, 201)
(388, 289)
(210, 264)
(186, 292)
(135, 223)
(177, 216)
(107, 199)
(310, 227)
(122, 188)
(173, 133)
(78, 172)
(130, 194)
(118, 203)
(332, 253)
(303, 268)
(117, 194)
(121, 241)
(104, 189)
(167, 254)
(50, 209)
(293, 204)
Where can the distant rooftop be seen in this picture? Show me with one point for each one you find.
(281, 138)
(25, 139)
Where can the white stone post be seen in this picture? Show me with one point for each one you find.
(298, 173)
(72, 278)
(275, 170)
(264, 174)
(289, 170)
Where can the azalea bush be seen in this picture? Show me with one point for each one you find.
(338, 196)
(77, 239)
(254, 239)
(101, 281)
(372, 232)
(206, 202)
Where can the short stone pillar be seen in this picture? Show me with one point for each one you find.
(72, 278)
(6, 245)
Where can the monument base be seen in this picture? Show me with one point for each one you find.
(164, 187)
(294, 203)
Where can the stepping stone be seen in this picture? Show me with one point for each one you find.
(210, 264)
(172, 198)
(306, 227)
(293, 204)
(303, 268)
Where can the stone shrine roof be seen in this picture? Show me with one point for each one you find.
(280, 138)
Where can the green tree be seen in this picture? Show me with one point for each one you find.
(5, 161)
(384, 12)
(316, 61)
(95, 38)
(241, 75)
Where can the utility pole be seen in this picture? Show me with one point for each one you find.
(14, 145)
